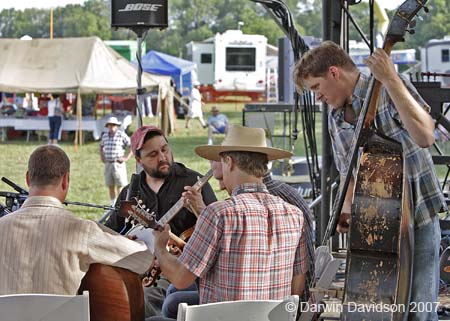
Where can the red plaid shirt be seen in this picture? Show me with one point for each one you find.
(248, 247)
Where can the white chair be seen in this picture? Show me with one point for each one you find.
(260, 310)
(44, 307)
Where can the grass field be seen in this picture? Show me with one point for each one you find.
(87, 183)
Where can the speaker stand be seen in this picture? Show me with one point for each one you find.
(140, 92)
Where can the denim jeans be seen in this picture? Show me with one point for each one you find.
(55, 124)
(425, 285)
(175, 297)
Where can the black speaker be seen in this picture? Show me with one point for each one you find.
(139, 13)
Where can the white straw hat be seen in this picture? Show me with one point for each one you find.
(112, 120)
(242, 139)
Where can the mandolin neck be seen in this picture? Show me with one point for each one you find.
(170, 214)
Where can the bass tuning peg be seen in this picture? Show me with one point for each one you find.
(426, 9)
(411, 31)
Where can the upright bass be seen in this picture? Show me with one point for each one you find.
(381, 236)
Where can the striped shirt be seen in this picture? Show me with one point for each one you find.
(113, 147)
(426, 193)
(44, 248)
(248, 247)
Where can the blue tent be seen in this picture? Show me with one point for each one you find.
(163, 64)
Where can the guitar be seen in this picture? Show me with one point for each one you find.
(114, 294)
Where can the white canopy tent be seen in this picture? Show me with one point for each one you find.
(77, 65)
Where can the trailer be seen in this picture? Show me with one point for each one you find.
(230, 64)
(435, 57)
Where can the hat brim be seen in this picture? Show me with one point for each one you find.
(213, 152)
(110, 123)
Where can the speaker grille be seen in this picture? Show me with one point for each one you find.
(139, 13)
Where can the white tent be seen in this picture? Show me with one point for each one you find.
(84, 65)
(77, 65)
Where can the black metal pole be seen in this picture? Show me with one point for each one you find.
(331, 17)
(139, 91)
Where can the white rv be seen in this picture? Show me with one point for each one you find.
(435, 58)
(231, 62)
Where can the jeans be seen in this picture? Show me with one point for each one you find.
(175, 297)
(55, 125)
(425, 285)
(154, 297)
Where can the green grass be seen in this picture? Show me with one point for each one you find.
(86, 180)
(87, 183)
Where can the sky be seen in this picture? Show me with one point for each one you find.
(22, 4)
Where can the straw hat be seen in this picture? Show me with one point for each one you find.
(112, 120)
(242, 139)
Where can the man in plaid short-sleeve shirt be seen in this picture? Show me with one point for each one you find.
(113, 145)
(249, 247)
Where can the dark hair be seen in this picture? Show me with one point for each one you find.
(250, 162)
(147, 137)
(47, 165)
(316, 62)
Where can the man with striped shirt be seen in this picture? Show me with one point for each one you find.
(44, 248)
(249, 247)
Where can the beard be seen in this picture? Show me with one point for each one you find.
(157, 172)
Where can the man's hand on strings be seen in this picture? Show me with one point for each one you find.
(162, 237)
(381, 66)
(193, 200)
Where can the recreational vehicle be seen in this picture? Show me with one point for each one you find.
(231, 63)
(435, 57)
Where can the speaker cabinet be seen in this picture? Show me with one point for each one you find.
(139, 13)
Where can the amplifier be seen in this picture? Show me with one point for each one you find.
(139, 13)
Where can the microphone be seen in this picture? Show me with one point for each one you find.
(131, 198)
(133, 188)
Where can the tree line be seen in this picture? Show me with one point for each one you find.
(196, 20)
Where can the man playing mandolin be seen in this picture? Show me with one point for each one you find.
(402, 115)
(249, 247)
(160, 186)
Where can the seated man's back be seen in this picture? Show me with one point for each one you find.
(45, 248)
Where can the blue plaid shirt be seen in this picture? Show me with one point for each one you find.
(427, 195)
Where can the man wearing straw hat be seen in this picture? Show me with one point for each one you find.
(112, 152)
(249, 247)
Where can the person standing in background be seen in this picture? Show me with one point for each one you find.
(54, 117)
(112, 152)
(195, 106)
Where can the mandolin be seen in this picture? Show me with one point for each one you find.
(137, 212)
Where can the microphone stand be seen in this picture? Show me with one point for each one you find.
(22, 195)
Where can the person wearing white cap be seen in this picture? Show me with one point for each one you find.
(249, 247)
(195, 106)
(113, 145)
